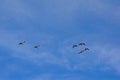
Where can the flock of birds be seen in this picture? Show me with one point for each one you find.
(81, 44)
(23, 42)
(74, 46)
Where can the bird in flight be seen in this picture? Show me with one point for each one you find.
(86, 49)
(22, 43)
(37, 46)
(74, 46)
(81, 51)
(81, 44)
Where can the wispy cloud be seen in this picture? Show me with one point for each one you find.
(10, 42)
(15, 10)
(61, 15)
(62, 10)
(108, 55)
(59, 77)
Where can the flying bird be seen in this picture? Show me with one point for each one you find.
(86, 49)
(74, 46)
(81, 44)
(81, 51)
(37, 46)
(21, 43)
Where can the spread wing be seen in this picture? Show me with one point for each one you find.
(86, 49)
(21, 43)
(81, 44)
(37, 46)
(74, 46)
(81, 51)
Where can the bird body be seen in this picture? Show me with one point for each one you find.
(74, 46)
(81, 44)
(81, 51)
(37, 46)
(21, 43)
(86, 49)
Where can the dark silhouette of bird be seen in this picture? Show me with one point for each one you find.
(81, 51)
(22, 43)
(74, 46)
(81, 44)
(86, 49)
(37, 46)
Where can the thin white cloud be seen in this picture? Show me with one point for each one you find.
(103, 55)
(15, 10)
(10, 41)
(106, 55)
(64, 9)
(109, 55)
(59, 77)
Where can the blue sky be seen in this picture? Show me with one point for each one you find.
(56, 25)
